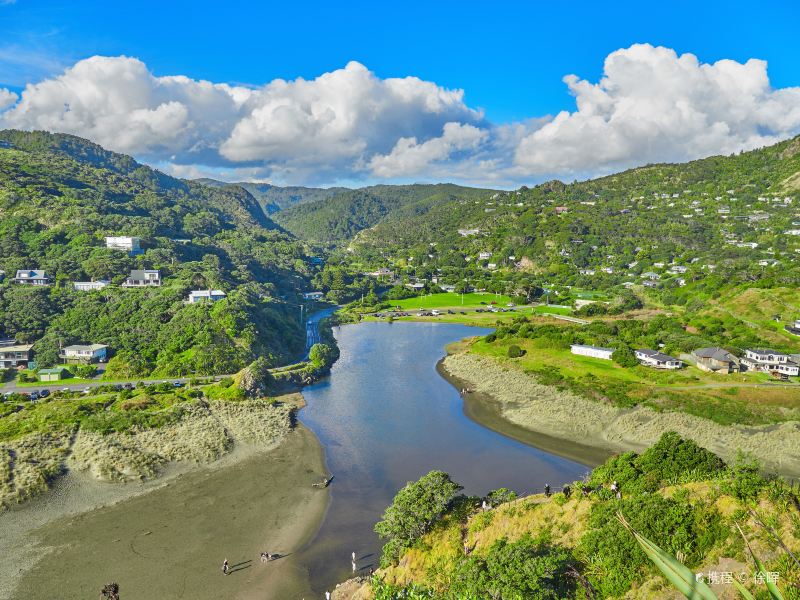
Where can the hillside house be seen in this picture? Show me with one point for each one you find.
(468, 232)
(143, 278)
(205, 296)
(382, 272)
(131, 245)
(593, 351)
(13, 355)
(716, 360)
(84, 354)
(31, 277)
(657, 360)
(484, 256)
(770, 361)
(315, 296)
(560, 210)
(90, 286)
(651, 276)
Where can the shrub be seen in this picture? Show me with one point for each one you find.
(625, 357)
(515, 351)
(744, 480)
(673, 457)
(490, 338)
(616, 557)
(521, 569)
(413, 512)
(500, 496)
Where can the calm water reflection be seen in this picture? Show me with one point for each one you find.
(386, 417)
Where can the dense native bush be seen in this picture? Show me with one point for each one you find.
(677, 527)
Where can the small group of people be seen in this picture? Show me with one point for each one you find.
(585, 489)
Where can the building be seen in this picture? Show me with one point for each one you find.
(382, 272)
(315, 296)
(770, 361)
(468, 232)
(143, 278)
(657, 360)
(54, 374)
(80, 354)
(90, 286)
(593, 351)
(14, 355)
(131, 245)
(205, 296)
(716, 360)
(484, 256)
(31, 277)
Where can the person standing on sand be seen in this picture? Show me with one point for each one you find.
(225, 566)
(327, 596)
(547, 490)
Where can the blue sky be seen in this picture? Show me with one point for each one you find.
(508, 58)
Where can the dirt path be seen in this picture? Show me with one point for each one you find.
(170, 542)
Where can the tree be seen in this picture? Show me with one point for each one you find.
(322, 355)
(625, 357)
(414, 510)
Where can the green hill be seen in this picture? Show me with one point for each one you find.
(61, 195)
(343, 215)
(274, 198)
(572, 545)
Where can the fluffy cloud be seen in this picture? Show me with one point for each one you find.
(650, 105)
(653, 105)
(408, 157)
(7, 98)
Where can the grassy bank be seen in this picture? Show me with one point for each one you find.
(571, 545)
(128, 435)
(562, 413)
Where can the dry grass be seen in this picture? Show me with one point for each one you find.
(29, 465)
(563, 414)
(202, 434)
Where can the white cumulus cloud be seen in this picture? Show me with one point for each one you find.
(408, 157)
(653, 105)
(7, 98)
(650, 105)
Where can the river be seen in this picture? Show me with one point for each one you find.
(386, 417)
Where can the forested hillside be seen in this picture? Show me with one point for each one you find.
(705, 223)
(61, 195)
(273, 198)
(348, 212)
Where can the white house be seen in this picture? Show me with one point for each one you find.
(31, 277)
(143, 278)
(89, 286)
(312, 295)
(484, 256)
(657, 360)
(468, 232)
(205, 296)
(131, 245)
(593, 351)
(770, 361)
(92, 353)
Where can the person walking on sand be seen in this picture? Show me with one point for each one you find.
(225, 569)
(353, 556)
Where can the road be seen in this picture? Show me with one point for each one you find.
(312, 337)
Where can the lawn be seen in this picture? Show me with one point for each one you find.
(725, 399)
(451, 300)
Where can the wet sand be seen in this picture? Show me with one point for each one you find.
(170, 541)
